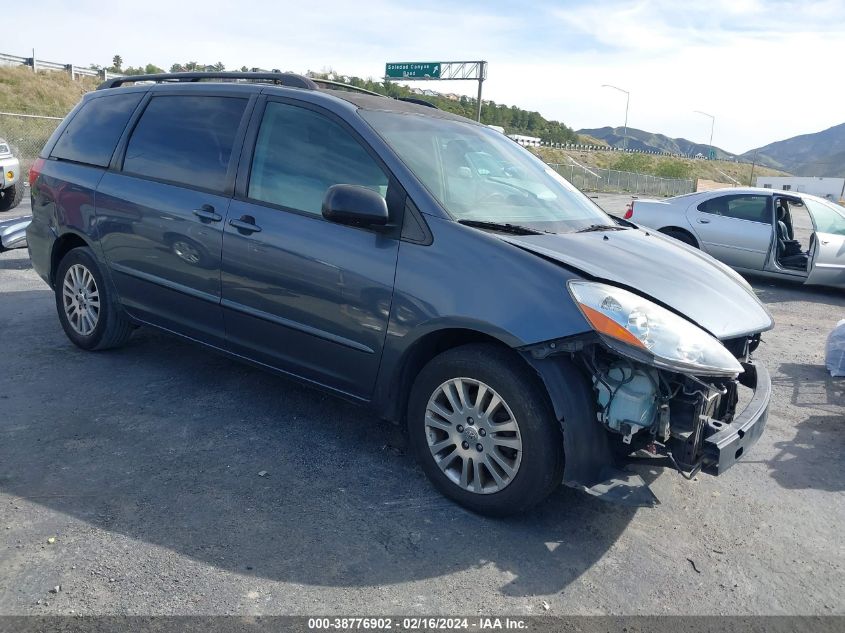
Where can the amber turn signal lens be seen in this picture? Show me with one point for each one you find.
(607, 326)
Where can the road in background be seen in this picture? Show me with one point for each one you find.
(143, 465)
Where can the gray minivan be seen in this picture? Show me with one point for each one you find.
(353, 242)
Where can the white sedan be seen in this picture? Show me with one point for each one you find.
(769, 232)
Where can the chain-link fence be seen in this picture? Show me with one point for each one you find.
(26, 135)
(615, 181)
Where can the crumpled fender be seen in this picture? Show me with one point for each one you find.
(589, 461)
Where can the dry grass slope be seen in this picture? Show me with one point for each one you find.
(47, 93)
(667, 166)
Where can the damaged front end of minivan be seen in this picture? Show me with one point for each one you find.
(646, 380)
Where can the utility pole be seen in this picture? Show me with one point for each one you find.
(627, 103)
(753, 164)
(712, 125)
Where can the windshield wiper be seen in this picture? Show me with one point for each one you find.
(504, 227)
(601, 227)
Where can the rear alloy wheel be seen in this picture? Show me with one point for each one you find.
(89, 316)
(81, 299)
(483, 430)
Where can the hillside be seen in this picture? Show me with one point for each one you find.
(515, 120)
(650, 142)
(663, 166)
(45, 93)
(818, 154)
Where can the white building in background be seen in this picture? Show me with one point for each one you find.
(526, 141)
(830, 188)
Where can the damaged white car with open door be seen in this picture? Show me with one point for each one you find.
(782, 234)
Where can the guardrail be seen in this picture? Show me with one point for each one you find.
(41, 64)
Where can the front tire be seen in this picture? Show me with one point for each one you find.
(10, 197)
(483, 430)
(87, 310)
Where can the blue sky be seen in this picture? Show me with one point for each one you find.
(766, 70)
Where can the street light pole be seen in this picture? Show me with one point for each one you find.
(627, 103)
(712, 125)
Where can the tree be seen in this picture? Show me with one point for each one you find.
(152, 69)
(117, 63)
(219, 67)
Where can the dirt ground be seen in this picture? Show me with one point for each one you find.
(130, 479)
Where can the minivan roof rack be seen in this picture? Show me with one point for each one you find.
(291, 80)
(284, 79)
(339, 84)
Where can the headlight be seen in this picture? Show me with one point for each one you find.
(636, 327)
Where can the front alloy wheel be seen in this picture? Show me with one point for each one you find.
(473, 435)
(483, 430)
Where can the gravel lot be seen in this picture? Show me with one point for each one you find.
(130, 479)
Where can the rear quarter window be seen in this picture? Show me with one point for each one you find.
(94, 131)
(185, 140)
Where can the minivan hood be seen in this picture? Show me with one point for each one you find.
(683, 278)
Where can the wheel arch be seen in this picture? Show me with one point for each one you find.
(668, 230)
(61, 247)
(400, 379)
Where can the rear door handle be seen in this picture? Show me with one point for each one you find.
(206, 212)
(246, 223)
(703, 221)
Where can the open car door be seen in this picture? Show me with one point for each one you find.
(827, 263)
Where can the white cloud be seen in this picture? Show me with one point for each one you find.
(767, 70)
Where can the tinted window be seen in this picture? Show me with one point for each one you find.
(92, 134)
(186, 140)
(300, 154)
(741, 207)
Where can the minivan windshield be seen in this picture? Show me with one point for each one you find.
(480, 175)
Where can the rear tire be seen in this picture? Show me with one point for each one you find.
(681, 236)
(494, 459)
(88, 311)
(10, 197)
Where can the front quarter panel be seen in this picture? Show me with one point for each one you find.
(470, 280)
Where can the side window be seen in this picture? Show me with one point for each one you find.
(742, 207)
(827, 219)
(185, 139)
(94, 131)
(300, 153)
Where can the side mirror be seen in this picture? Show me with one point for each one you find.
(356, 205)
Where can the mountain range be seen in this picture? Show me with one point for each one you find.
(650, 142)
(817, 154)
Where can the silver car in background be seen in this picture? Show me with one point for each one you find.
(782, 234)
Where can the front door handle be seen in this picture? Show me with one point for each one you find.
(206, 212)
(246, 223)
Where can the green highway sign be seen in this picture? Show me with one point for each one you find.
(412, 70)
